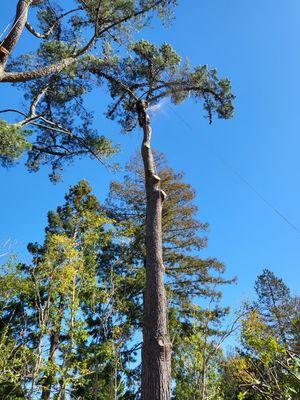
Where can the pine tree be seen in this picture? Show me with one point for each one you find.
(135, 84)
(278, 308)
(189, 278)
(76, 311)
(55, 74)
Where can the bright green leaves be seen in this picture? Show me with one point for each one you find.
(12, 283)
(256, 335)
(13, 142)
(49, 305)
(195, 366)
(266, 367)
(14, 361)
(63, 262)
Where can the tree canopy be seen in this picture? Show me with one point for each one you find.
(83, 49)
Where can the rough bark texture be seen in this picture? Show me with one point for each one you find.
(16, 31)
(156, 351)
(10, 41)
(14, 77)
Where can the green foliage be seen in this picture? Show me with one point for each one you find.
(153, 73)
(13, 142)
(188, 276)
(70, 321)
(54, 51)
(73, 42)
(62, 126)
(43, 301)
(196, 362)
(279, 310)
(267, 365)
(76, 309)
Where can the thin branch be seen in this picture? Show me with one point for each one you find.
(288, 370)
(14, 111)
(50, 30)
(111, 78)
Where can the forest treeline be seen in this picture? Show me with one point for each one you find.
(71, 319)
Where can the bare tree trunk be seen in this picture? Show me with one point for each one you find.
(156, 351)
(15, 32)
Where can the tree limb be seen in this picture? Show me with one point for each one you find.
(50, 30)
(15, 32)
(55, 68)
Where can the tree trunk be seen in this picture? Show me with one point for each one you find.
(156, 351)
(54, 342)
(46, 392)
(15, 32)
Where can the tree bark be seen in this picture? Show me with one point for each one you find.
(54, 342)
(46, 392)
(156, 351)
(15, 32)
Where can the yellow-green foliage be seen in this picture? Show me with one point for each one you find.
(13, 142)
(256, 335)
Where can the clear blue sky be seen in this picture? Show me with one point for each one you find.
(257, 45)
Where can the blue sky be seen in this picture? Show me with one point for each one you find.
(257, 45)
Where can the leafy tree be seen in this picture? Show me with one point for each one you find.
(15, 356)
(198, 357)
(267, 365)
(45, 300)
(83, 220)
(13, 142)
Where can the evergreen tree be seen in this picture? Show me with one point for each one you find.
(135, 82)
(75, 313)
(267, 364)
(56, 73)
(278, 308)
(190, 279)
